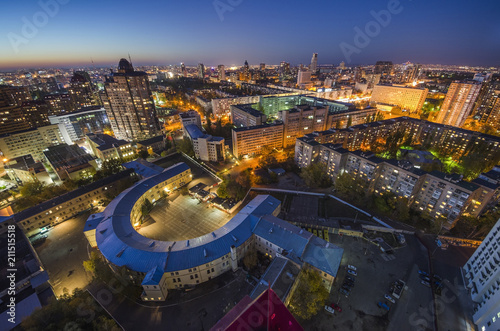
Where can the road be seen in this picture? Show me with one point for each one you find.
(454, 307)
(197, 310)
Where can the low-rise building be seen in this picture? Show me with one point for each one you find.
(105, 147)
(24, 170)
(66, 206)
(152, 145)
(70, 162)
(162, 265)
(190, 117)
(206, 147)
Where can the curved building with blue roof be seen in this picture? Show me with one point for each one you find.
(163, 265)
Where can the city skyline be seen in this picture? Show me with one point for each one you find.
(57, 33)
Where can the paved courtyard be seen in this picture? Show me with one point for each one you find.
(63, 253)
(182, 218)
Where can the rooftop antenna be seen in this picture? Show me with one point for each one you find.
(130, 59)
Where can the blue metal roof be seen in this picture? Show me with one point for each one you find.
(153, 277)
(282, 234)
(323, 255)
(123, 246)
(143, 168)
(194, 131)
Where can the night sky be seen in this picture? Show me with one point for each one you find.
(192, 31)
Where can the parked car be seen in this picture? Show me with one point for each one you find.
(437, 277)
(388, 297)
(383, 305)
(344, 292)
(423, 282)
(336, 307)
(352, 279)
(426, 278)
(345, 287)
(352, 272)
(349, 283)
(351, 267)
(421, 272)
(330, 309)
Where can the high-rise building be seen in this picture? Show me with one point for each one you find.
(59, 103)
(201, 71)
(13, 95)
(11, 115)
(183, 70)
(409, 99)
(81, 91)
(284, 68)
(383, 67)
(302, 120)
(245, 73)
(342, 65)
(303, 77)
(314, 63)
(487, 107)
(36, 113)
(129, 103)
(411, 73)
(262, 66)
(221, 71)
(481, 275)
(458, 103)
(250, 140)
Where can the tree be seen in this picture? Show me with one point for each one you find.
(146, 207)
(315, 175)
(250, 259)
(143, 154)
(31, 189)
(185, 146)
(351, 188)
(310, 294)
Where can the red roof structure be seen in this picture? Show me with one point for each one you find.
(266, 312)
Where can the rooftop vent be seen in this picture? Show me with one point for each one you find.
(120, 253)
(234, 238)
(205, 252)
(152, 244)
(187, 243)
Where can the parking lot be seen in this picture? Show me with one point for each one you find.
(375, 273)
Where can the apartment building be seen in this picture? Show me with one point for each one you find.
(250, 140)
(458, 103)
(245, 115)
(205, 146)
(407, 98)
(74, 126)
(482, 278)
(301, 120)
(33, 141)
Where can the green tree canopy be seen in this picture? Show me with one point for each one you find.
(315, 175)
(310, 294)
